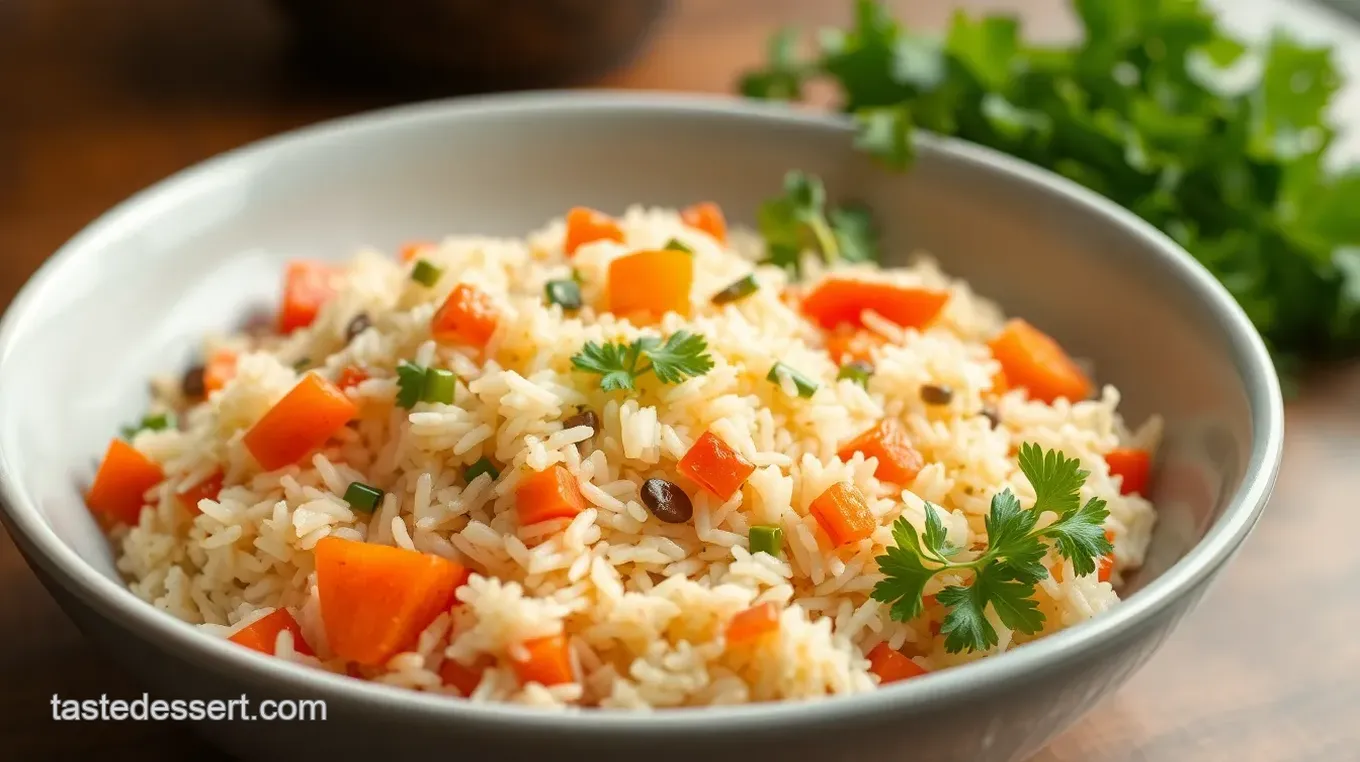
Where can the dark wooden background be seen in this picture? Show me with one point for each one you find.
(99, 99)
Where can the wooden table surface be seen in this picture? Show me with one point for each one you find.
(100, 99)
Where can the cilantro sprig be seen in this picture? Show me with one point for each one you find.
(681, 356)
(798, 220)
(1004, 574)
(1149, 108)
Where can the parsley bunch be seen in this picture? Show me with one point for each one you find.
(681, 356)
(1004, 574)
(1151, 109)
(798, 221)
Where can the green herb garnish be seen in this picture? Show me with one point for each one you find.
(302, 364)
(806, 387)
(1143, 109)
(858, 371)
(482, 466)
(439, 386)
(566, 293)
(678, 245)
(765, 539)
(425, 273)
(362, 497)
(798, 221)
(410, 384)
(149, 422)
(1002, 575)
(737, 290)
(682, 356)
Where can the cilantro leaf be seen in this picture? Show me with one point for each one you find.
(681, 356)
(1150, 107)
(410, 383)
(1080, 537)
(1004, 574)
(798, 220)
(935, 537)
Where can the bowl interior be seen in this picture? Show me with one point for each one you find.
(131, 296)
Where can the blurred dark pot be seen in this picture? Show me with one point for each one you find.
(473, 44)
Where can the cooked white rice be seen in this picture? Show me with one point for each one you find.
(642, 602)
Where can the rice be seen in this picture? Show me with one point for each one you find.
(642, 605)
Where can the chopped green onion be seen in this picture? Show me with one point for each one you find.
(425, 273)
(577, 276)
(482, 466)
(805, 386)
(564, 292)
(676, 244)
(410, 384)
(302, 364)
(150, 422)
(766, 539)
(857, 371)
(362, 497)
(739, 289)
(439, 386)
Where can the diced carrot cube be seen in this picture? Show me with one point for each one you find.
(300, 422)
(713, 465)
(208, 489)
(898, 461)
(121, 483)
(708, 217)
(351, 377)
(552, 493)
(548, 662)
(263, 634)
(468, 316)
(843, 514)
(586, 226)
(1133, 467)
(464, 678)
(838, 300)
(220, 368)
(1106, 568)
(1033, 360)
(652, 282)
(753, 623)
(307, 287)
(414, 250)
(891, 666)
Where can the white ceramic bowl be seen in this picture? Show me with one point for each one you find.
(131, 294)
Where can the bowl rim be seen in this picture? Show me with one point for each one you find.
(114, 601)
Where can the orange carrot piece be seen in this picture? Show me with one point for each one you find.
(306, 287)
(655, 282)
(263, 634)
(376, 599)
(1134, 466)
(843, 300)
(351, 377)
(586, 225)
(413, 250)
(548, 494)
(548, 662)
(898, 461)
(300, 422)
(713, 465)
(208, 489)
(708, 217)
(121, 481)
(1033, 360)
(891, 666)
(1106, 567)
(465, 679)
(468, 316)
(750, 624)
(843, 514)
(855, 345)
(220, 368)
(1000, 385)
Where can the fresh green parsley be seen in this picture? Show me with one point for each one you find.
(1148, 107)
(150, 422)
(1002, 575)
(682, 356)
(798, 221)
